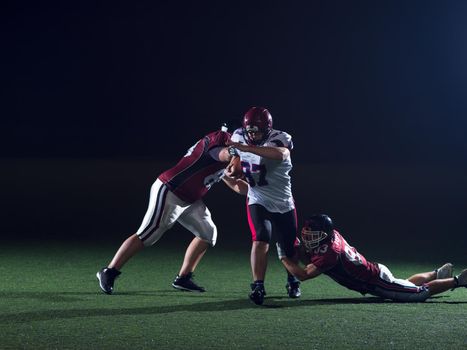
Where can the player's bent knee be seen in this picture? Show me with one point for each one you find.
(149, 241)
(210, 236)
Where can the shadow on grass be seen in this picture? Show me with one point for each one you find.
(43, 296)
(211, 306)
(84, 296)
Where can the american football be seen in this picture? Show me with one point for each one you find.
(234, 169)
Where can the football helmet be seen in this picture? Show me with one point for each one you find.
(257, 120)
(317, 228)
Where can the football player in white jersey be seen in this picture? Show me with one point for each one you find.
(265, 159)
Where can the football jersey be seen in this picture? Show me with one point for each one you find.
(268, 179)
(344, 264)
(197, 171)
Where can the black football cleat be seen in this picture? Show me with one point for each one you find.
(293, 289)
(185, 283)
(257, 293)
(107, 278)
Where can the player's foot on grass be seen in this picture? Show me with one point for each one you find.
(461, 279)
(293, 289)
(257, 293)
(444, 271)
(107, 278)
(186, 283)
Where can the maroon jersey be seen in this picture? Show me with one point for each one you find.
(197, 171)
(344, 264)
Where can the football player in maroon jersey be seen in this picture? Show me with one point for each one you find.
(176, 196)
(324, 250)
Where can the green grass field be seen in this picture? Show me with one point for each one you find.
(50, 299)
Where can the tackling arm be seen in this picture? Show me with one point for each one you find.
(236, 185)
(277, 153)
(224, 155)
(309, 271)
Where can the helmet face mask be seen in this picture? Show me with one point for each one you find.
(254, 135)
(317, 229)
(257, 125)
(251, 128)
(312, 239)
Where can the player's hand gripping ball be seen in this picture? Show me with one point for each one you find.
(234, 169)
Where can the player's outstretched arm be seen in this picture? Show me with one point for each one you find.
(237, 185)
(277, 153)
(302, 273)
(294, 268)
(224, 155)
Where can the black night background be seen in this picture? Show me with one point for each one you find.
(99, 97)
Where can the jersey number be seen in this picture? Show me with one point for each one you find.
(322, 249)
(250, 169)
(352, 255)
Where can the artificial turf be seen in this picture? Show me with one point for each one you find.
(50, 299)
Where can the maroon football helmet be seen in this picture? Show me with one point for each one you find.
(257, 120)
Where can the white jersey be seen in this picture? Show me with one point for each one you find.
(268, 179)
